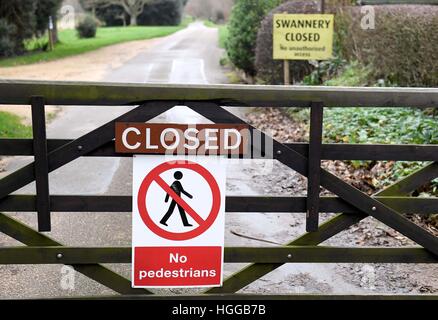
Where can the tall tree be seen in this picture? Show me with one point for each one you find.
(25, 19)
(132, 7)
(91, 5)
(17, 20)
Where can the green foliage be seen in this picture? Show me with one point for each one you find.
(20, 20)
(210, 24)
(24, 19)
(45, 9)
(325, 70)
(222, 29)
(243, 27)
(87, 28)
(402, 169)
(435, 188)
(223, 36)
(377, 126)
(402, 49)
(112, 15)
(11, 126)
(352, 75)
(162, 13)
(7, 42)
(380, 125)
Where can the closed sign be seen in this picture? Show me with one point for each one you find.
(200, 139)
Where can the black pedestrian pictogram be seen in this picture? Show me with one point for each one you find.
(178, 189)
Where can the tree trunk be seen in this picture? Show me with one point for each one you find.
(133, 20)
(55, 31)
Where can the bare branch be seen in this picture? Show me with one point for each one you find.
(132, 7)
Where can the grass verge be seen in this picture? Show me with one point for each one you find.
(70, 44)
(11, 126)
(223, 31)
(223, 35)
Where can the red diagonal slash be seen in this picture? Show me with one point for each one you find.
(179, 200)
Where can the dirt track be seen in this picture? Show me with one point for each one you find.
(91, 66)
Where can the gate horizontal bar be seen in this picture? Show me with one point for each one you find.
(97, 272)
(76, 255)
(381, 2)
(259, 297)
(330, 151)
(251, 204)
(336, 185)
(95, 93)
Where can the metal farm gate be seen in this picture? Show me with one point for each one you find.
(352, 205)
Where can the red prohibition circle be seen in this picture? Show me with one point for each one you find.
(179, 164)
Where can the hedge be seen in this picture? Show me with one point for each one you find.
(403, 47)
(162, 13)
(22, 20)
(244, 24)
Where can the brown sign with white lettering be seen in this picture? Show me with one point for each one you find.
(165, 138)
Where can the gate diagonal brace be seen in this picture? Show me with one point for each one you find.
(30, 237)
(353, 196)
(327, 230)
(366, 204)
(58, 158)
(81, 146)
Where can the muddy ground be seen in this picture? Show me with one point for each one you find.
(373, 278)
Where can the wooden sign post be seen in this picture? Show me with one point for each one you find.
(286, 72)
(50, 34)
(306, 37)
(302, 37)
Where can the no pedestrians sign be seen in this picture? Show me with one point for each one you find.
(178, 221)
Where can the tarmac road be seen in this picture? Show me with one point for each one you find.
(189, 56)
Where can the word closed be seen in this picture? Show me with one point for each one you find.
(178, 139)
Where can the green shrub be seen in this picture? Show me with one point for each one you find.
(11, 126)
(403, 47)
(223, 36)
(379, 125)
(162, 13)
(374, 125)
(339, 72)
(7, 43)
(19, 19)
(243, 27)
(25, 19)
(44, 10)
(87, 27)
(112, 15)
(270, 70)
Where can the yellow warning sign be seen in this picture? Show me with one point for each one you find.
(303, 36)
